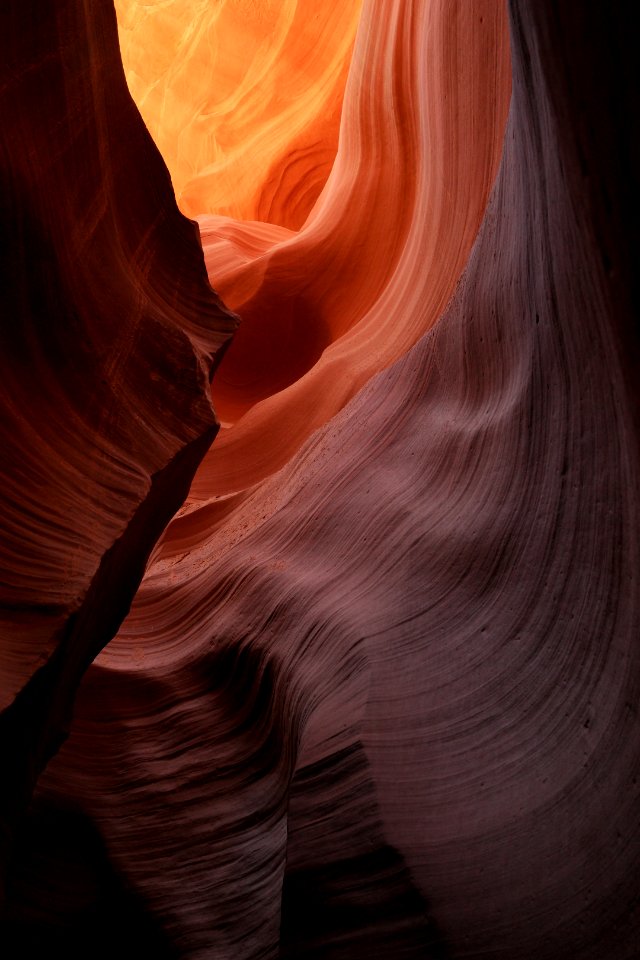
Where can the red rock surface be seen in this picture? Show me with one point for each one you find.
(109, 328)
(377, 260)
(382, 700)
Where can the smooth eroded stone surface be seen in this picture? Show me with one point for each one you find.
(243, 98)
(382, 702)
(326, 308)
(109, 330)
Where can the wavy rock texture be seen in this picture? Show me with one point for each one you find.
(106, 357)
(327, 307)
(383, 702)
(243, 98)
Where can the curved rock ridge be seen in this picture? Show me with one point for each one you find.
(373, 267)
(243, 98)
(109, 331)
(386, 704)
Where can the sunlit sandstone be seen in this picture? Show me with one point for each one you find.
(376, 693)
(243, 98)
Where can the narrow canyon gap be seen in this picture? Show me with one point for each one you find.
(377, 693)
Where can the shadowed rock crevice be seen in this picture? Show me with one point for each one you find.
(109, 334)
(36, 724)
(65, 898)
(347, 893)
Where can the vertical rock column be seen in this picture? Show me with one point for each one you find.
(108, 337)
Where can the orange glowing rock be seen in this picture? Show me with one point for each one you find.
(326, 308)
(383, 670)
(242, 98)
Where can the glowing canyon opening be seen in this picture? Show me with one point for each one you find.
(320, 480)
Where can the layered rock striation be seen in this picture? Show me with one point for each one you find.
(377, 695)
(242, 98)
(109, 333)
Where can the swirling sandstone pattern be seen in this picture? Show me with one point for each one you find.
(382, 702)
(242, 97)
(378, 259)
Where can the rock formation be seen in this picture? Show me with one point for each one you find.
(106, 359)
(243, 98)
(377, 692)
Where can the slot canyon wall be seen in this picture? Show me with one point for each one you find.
(376, 693)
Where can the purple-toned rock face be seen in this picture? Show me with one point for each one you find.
(377, 693)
